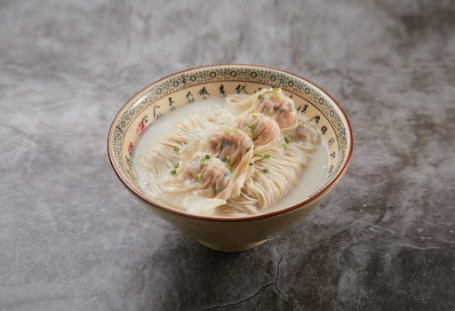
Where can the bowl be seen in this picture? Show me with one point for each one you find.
(154, 101)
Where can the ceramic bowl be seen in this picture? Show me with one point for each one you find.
(155, 100)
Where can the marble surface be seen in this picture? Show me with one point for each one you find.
(72, 237)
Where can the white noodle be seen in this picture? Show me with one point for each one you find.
(225, 170)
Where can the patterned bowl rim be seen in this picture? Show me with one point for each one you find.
(320, 193)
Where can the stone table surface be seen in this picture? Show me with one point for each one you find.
(73, 238)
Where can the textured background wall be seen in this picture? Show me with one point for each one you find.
(72, 238)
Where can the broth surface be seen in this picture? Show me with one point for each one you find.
(313, 176)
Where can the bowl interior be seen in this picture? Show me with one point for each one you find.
(192, 85)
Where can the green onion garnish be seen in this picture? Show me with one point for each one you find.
(286, 139)
(173, 172)
(266, 156)
(258, 155)
(176, 165)
(259, 96)
(251, 126)
(254, 116)
(250, 164)
(266, 170)
(207, 156)
(199, 176)
(175, 148)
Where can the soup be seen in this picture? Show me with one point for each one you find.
(237, 156)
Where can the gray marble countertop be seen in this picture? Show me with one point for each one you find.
(72, 237)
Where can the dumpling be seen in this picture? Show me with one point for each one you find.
(204, 172)
(273, 103)
(270, 102)
(229, 145)
(235, 148)
(209, 166)
(263, 130)
(201, 184)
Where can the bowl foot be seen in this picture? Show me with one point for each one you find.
(231, 248)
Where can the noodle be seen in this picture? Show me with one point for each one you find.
(236, 161)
